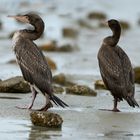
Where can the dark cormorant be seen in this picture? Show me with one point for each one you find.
(116, 69)
(32, 62)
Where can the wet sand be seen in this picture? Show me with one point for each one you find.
(82, 120)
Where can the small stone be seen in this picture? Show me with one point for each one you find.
(84, 24)
(50, 46)
(51, 63)
(1, 25)
(58, 89)
(99, 84)
(61, 80)
(65, 48)
(13, 61)
(14, 85)
(125, 25)
(80, 90)
(137, 75)
(46, 119)
(69, 32)
(97, 15)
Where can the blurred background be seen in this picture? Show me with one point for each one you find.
(74, 31)
(75, 28)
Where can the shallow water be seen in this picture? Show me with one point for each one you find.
(82, 120)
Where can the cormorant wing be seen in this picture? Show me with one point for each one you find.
(115, 68)
(127, 69)
(33, 65)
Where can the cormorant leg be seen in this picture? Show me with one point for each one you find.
(34, 93)
(115, 109)
(47, 105)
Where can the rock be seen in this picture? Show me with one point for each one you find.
(80, 90)
(50, 46)
(61, 80)
(99, 84)
(84, 24)
(69, 32)
(138, 21)
(24, 4)
(14, 85)
(1, 25)
(97, 15)
(137, 75)
(53, 47)
(51, 63)
(46, 119)
(125, 25)
(65, 48)
(58, 89)
(13, 61)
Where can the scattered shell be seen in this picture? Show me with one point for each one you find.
(14, 85)
(99, 84)
(80, 90)
(46, 119)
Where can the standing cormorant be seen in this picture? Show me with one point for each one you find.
(32, 62)
(116, 69)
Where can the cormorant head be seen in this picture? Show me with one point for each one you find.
(114, 24)
(30, 18)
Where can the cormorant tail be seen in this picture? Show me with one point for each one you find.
(132, 102)
(58, 101)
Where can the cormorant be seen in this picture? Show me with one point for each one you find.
(32, 62)
(116, 69)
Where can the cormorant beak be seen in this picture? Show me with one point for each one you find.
(21, 18)
(104, 23)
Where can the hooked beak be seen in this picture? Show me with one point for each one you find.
(21, 18)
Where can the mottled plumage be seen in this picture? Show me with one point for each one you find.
(32, 62)
(116, 69)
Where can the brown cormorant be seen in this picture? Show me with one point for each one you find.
(116, 69)
(32, 62)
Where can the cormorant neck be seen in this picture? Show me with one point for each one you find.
(116, 34)
(114, 39)
(36, 33)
